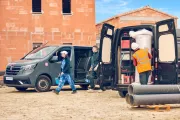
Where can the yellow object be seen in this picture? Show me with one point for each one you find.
(143, 61)
(158, 107)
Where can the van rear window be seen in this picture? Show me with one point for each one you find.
(166, 48)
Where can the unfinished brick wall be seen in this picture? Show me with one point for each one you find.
(146, 15)
(19, 28)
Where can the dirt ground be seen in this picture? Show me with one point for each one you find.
(108, 105)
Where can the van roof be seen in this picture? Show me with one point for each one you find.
(82, 46)
(72, 46)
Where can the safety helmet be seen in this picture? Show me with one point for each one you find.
(134, 46)
(64, 52)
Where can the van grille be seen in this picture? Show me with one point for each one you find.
(13, 70)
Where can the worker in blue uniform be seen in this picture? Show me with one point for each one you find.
(65, 74)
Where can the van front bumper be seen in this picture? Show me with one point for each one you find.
(17, 81)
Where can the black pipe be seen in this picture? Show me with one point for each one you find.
(153, 89)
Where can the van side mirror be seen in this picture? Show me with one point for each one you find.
(54, 59)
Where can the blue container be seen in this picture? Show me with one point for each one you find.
(88, 81)
(57, 81)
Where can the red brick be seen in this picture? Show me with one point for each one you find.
(56, 28)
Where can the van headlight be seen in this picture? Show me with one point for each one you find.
(28, 67)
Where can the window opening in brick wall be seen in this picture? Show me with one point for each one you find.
(66, 7)
(36, 6)
(67, 43)
(36, 45)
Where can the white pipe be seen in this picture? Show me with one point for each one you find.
(143, 39)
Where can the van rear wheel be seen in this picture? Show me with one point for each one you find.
(21, 88)
(43, 84)
(84, 87)
(122, 93)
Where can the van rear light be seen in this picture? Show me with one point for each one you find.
(156, 77)
(156, 60)
(156, 65)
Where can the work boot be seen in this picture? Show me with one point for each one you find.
(100, 91)
(74, 92)
(56, 92)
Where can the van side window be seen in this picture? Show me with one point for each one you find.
(58, 53)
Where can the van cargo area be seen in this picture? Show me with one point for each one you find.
(116, 67)
(126, 75)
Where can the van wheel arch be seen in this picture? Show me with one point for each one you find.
(45, 74)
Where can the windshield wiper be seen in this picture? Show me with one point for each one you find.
(31, 58)
(27, 59)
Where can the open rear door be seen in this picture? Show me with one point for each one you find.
(106, 54)
(167, 53)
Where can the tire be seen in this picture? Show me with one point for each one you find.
(84, 87)
(122, 93)
(103, 88)
(43, 83)
(21, 88)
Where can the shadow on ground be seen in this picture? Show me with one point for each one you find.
(31, 90)
(143, 108)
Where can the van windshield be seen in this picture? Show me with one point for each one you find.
(40, 53)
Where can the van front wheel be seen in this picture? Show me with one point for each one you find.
(43, 84)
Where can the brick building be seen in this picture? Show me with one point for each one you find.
(26, 24)
(145, 15)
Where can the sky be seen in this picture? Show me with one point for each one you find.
(108, 8)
